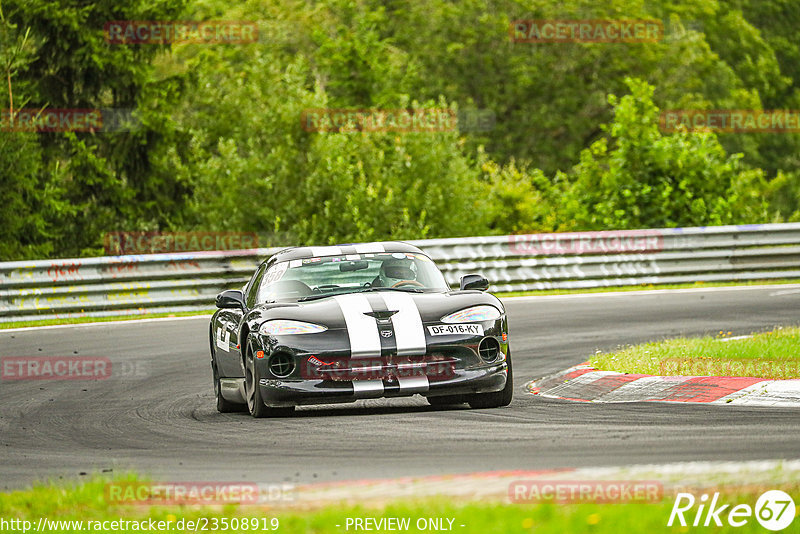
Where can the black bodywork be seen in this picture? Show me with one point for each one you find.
(271, 374)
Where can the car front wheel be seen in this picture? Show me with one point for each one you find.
(255, 402)
(496, 399)
(223, 405)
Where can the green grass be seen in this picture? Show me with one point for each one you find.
(642, 287)
(773, 354)
(80, 320)
(87, 502)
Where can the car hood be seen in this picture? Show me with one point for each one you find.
(332, 311)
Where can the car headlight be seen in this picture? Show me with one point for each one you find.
(285, 327)
(475, 313)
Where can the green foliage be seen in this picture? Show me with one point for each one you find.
(22, 216)
(256, 169)
(390, 186)
(219, 144)
(519, 199)
(25, 188)
(93, 182)
(650, 179)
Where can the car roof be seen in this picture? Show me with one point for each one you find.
(297, 253)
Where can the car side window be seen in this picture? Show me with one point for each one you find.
(252, 289)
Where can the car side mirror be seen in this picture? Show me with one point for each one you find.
(474, 281)
(232, 298)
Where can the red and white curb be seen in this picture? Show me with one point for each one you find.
(586, 384)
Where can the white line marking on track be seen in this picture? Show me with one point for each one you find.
(785, 292)
(648, 292)
(106, 323)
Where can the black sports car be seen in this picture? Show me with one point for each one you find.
(318, 325)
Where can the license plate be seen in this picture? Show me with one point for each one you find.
(471, 329)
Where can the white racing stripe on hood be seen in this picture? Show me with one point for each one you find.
(365, 341)
(366, 248)
(408, 332)
(326, 251)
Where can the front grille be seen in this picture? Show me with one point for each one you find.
(391, 368)
(281, 365)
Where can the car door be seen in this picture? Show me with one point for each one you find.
(227, 328)
(225, 341)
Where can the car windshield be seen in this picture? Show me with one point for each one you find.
(305, 279)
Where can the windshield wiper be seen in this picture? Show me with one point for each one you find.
(360, 290)
(405, 289)
(321, 296)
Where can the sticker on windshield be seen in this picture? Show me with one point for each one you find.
(276, 273)
(469, 329)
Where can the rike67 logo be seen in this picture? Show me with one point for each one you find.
(774, 510)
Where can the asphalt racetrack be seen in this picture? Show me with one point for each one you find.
(156, 415)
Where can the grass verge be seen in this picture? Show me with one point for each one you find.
(80, 320)
(774, 354)
(86, 502)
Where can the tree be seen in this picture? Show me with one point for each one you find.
(107, 178)
(647, 179)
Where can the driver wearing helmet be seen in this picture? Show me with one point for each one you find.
(393, 271)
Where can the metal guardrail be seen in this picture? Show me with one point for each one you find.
(151, 283)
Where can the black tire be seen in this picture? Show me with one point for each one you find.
(224, 405)
(446, 400)
(497, 399)
(255, 403)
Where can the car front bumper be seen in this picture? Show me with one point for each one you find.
(295, 392)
